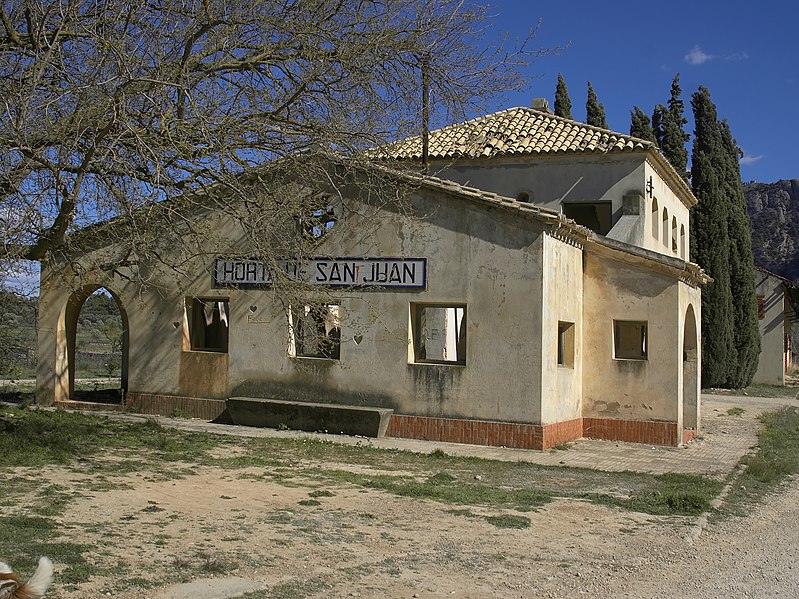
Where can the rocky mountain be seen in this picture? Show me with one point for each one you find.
(774, 212)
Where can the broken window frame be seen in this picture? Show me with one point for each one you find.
(631, 340)
(315, 331)
(454, 339)
(318, 217)
(208, 320)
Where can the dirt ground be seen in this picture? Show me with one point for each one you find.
(233, 535)
(212, 534)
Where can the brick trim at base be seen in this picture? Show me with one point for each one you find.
(633, 431)
(534, 436)
(174, 405)
(484, 432)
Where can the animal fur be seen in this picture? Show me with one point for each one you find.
(11, 587)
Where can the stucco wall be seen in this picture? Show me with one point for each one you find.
(771, 364)
(617, 289)
(664, 202)
(547, 179)
(562, 303)
(483, 257)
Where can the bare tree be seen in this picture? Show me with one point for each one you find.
(109, 107)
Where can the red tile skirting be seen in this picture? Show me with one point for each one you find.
(484, 432)
(534, 436)
(689, 435)
(633, 431)
(174, 405)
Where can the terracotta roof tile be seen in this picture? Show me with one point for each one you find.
(516, 131)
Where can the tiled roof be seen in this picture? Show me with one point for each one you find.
(513, 132)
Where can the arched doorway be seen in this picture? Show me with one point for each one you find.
(690, 372)
(96, 335)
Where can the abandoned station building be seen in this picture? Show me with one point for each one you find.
(538, 290)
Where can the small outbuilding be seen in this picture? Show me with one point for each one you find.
(776, 314)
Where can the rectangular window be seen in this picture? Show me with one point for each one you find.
(597, 216)
(315, 331)
(761, 307)
(630, 340)
(439, 333)
(209, 324)
(566, 344)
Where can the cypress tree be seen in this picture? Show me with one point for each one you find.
(675, 136)
(710, 242)
(742, 276)
(594, 111)
(563, 103)
(640, 125)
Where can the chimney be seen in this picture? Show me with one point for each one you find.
(541, 104)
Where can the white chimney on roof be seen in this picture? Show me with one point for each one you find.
(541, 104)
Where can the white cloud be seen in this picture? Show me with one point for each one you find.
(697, 56)
(747, 160)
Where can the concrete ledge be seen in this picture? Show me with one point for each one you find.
(303, 416)
(70, 404)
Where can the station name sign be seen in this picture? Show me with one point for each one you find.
(403, 273)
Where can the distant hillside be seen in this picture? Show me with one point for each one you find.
(99, 336)
(774, 211)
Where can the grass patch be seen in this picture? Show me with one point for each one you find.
(669, 494)
(776, 458)
(40, 437)
(736, 411)
(509, 521)
(757, 390)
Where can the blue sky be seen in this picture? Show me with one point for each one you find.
(745, 53)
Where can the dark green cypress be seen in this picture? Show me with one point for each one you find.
(563, 103)
(594, 111)
(742, 276)
(710, 243)
(640, 125)
(675, 136)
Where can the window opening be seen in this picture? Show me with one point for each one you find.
(655, 214)
(209, 324)
(566, 344)
(597, 216)
(439, 334)
(315, 331)
(761, 307)
(682, 242)
(630, 340)
(674, 234)
(665, 227)
(318, 219)
(525, 196)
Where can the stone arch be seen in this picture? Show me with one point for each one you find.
(66, 343)
(690, 371)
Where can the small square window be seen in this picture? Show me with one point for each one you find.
(566, 344)
(315, 331)
(630, 340)
(209, 324)
(439, 333)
